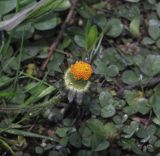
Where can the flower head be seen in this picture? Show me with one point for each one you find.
(76, 77)
(81, 70)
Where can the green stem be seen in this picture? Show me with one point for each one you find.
(5, 144)
(52, 101)
(17, 5)
(33, 78)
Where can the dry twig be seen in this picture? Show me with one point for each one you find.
(54, 45)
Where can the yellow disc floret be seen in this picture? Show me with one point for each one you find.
(81, 70)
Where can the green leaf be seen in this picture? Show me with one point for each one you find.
(39, 150)
(62, 132)
(127, 144)
(147, 41)
(136, 102)
(133, 1)
(35, 90)
(109, 63)
(85, 131)
(146, 132)
(46, 91)
(31, 86)
(156, 121)
(65, 4)
(75, 140)
(152, 2)
(24, 30)
(91, 37)
(157, 144)
(151, 65)
(19, 95)
(27, 134)
(4, 80)
(64, 141)
(80, 41)
(108, 111)
(106, 103)
(7, 94)
(101, 67)
(130, 129)
(128, 12)
(100, 20)
(105, 98)
(86, 11)
(102, 146)
(46, 6)
(155, 101)
(86, 135)
(112, 71)
(7, 6)
(25, 2)
(158, 43)
(47, 24)
(84, 153)
(116, 27)
(158, 9)
(134, 27)
(87, 141)
(136, 99)
(110, 130)
(95, 108)
(54, 64)
(133, 98)
(17, 19)
(130, 77)
(32, 12)
(6, 145)
(154, 29)
(96, 126)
